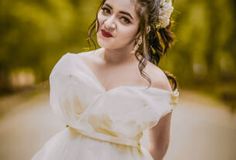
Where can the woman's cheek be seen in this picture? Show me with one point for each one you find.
(101, 18)
(128, 32)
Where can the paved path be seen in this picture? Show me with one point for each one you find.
(202, 129)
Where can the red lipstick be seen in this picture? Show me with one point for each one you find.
(106, 34)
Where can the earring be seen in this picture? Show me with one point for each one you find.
(136, 47)
(148, 29)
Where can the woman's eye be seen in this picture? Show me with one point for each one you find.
(105, 11)
(125, 20)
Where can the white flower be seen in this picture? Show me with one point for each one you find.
(165, 12)
(175, 97)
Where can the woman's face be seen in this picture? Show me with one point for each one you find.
(118, 24)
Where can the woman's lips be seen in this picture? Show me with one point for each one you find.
(106, 34)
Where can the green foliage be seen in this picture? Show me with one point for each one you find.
(204, 36)
(203, 57)
(35, 34)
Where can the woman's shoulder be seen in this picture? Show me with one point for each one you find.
(158, 77)
(83, 55)
(67, 59)
(71, 55)
(160, 81)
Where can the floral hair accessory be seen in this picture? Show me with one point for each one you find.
(175, 97)
(165, 12)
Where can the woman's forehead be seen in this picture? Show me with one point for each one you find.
(123, 5)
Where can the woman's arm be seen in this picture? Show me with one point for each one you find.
(159, 137)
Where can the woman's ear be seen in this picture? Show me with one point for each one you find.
(138, 35)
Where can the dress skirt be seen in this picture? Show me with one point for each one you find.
(69, 144)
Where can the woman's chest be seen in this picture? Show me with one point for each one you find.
(113, 76)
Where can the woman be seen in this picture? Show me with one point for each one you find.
(101, 95)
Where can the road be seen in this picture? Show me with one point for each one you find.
(202, 129)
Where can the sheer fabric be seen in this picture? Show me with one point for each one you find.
(102, 125)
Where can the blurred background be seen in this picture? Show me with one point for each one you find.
(35, 34)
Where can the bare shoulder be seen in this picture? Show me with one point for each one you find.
(85, 53)
(91, 55)
(158, 77)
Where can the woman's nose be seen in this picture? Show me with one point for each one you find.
(109, 23)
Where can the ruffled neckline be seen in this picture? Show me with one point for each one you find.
(174, 94)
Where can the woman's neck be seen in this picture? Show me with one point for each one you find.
(119, 56)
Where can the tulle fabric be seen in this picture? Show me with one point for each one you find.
(70, 145)
(102, 125)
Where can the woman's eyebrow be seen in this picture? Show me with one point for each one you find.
(126, 13)
(107, 5)
(123, 12)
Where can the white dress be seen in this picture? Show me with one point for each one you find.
(103, 125)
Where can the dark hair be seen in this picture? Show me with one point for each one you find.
(156, 41)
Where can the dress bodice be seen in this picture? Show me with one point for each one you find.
(119, 115)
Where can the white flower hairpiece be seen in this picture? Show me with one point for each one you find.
(165, 12)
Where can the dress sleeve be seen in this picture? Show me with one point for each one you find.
(161, 103)
(66, 92)
(57, 85)
(172, 103)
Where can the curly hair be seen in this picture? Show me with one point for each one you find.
(155, 41)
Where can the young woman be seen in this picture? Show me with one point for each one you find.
(107, 97)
